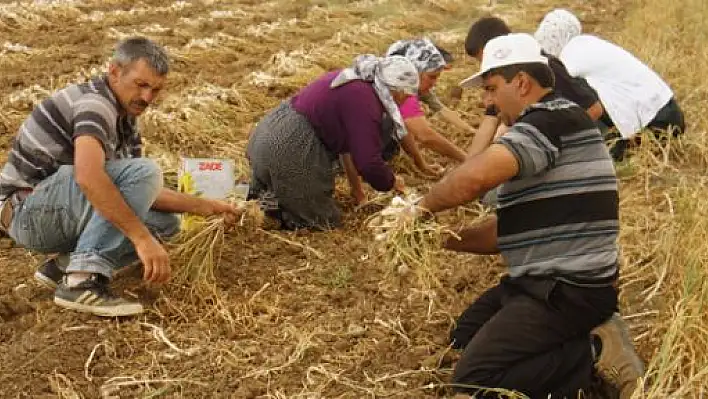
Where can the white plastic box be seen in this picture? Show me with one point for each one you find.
(213, 177)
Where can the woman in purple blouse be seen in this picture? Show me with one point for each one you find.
(292, 149)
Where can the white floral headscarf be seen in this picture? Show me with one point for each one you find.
(556, 29)
(421, 52)
(388, 73)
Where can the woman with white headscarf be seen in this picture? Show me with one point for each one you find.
(292, 149)
(430, 61)
(556, 29)
(633, 95)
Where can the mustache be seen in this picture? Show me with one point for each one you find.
(140, 103)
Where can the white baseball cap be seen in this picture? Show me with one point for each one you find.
(511, 49)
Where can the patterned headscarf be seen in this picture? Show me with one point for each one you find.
(422, 52)
(556, 30)
(389, 73)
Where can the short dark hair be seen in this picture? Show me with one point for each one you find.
(482, 31)
(447, 56)
(541, 73)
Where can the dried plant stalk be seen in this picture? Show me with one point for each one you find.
(406, 242)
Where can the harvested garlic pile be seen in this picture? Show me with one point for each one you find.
(406, 243)
(400, 212)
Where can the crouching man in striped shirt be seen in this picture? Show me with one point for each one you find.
(549, 325)
(75, 184)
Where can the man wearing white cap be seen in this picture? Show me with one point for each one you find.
(576, 90)
(556, 227)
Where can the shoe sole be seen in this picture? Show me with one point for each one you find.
(45, 281)
(102, 311)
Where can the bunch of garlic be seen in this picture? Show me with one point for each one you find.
(398, 215)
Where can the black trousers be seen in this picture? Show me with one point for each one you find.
(670, 118)
(531, 335)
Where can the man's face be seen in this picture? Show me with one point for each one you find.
(135, 85)
(428, 81)
(506, 96)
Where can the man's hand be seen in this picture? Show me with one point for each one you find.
(156, 261)
(230, 212)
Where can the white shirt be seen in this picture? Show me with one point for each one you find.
(630, 91)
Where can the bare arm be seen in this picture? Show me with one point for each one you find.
(411, 148)
(485, 135)
(454, 118)
(595, 111)
(357, 190)
(102, 193)
(429, 138)
(175, 202)
(97, 186)
(480, 238)
(475, 176)
(502, 129)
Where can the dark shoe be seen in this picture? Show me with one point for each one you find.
(49, 274)
(619, 149)
(600, 389)
(94, 296)
(618, 364)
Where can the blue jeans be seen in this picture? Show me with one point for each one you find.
(57, 217)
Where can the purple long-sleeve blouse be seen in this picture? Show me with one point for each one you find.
(348, 120)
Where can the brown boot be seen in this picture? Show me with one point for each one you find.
(618, 364)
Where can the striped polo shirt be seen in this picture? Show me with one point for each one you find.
(559, 216)
(45, 141)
